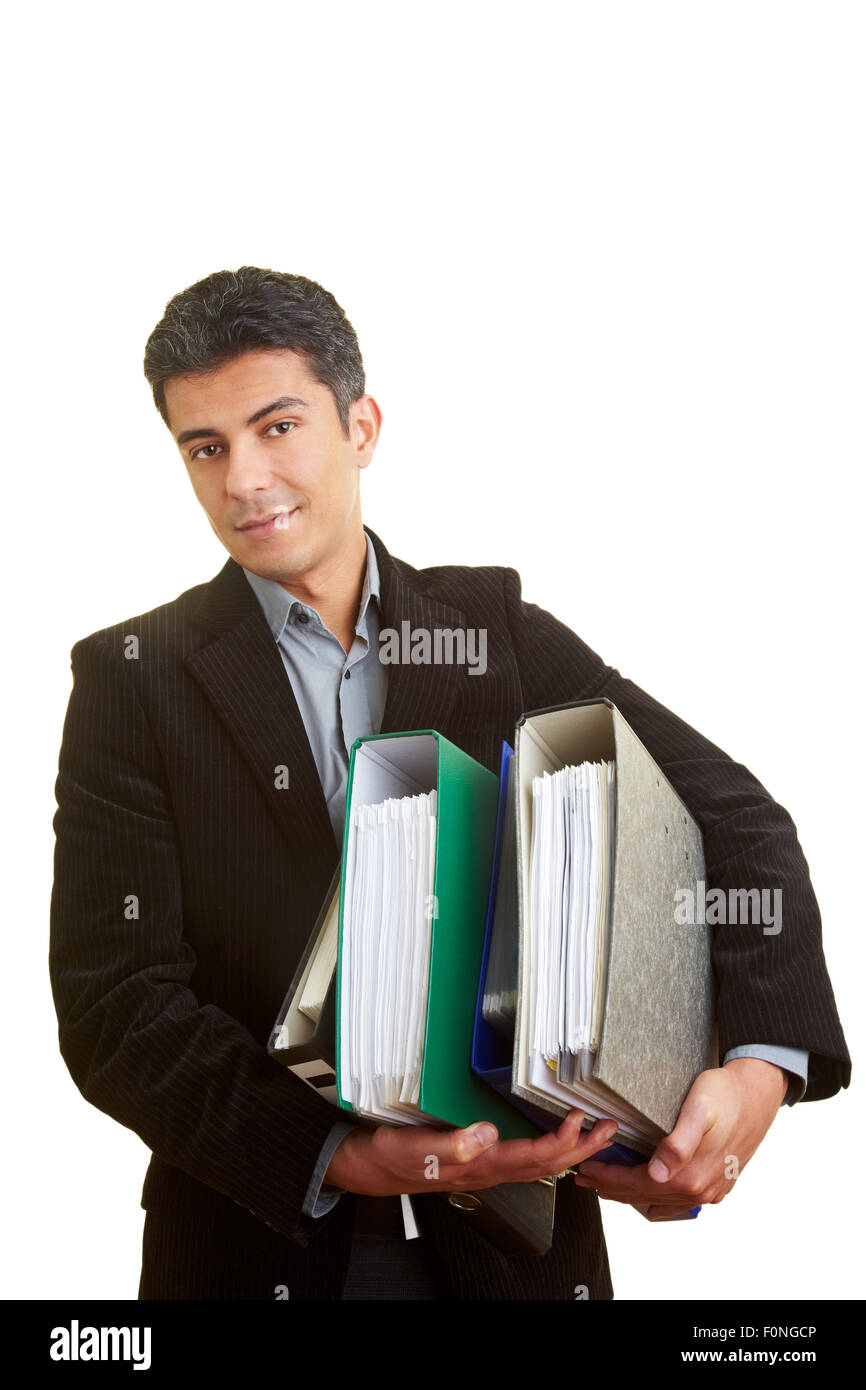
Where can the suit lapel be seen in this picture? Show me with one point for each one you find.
(419, 696)
(241, 672)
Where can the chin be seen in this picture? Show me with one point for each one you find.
(285, 561)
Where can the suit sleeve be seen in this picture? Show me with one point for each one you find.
(200, 1091)
(772, 987)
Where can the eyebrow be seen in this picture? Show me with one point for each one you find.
(281, 403)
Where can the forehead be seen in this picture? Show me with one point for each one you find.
(230, 394)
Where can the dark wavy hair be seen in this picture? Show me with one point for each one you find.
(236, 311)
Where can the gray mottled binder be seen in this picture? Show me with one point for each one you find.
(658, 1030)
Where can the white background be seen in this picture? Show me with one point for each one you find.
(605, 262)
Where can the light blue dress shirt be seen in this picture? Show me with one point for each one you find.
(341, 697)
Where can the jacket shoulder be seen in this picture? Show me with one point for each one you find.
(472, 584)
(169, 624)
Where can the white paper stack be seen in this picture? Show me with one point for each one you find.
(571, 871)
(389, 908)
(571, 876)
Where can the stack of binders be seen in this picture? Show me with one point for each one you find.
(507, 951)
(388, 1037)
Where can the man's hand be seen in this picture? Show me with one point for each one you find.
(389, 1160)
(722, 1121)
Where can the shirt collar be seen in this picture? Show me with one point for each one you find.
(278, 605)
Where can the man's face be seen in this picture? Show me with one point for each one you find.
(268, 461)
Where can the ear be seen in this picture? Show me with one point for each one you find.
(365, 422)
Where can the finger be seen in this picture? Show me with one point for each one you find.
(515, 1156)
(620, 1182)
(657, 1212)
(573, 1146)
(695, 1120)
(660, 1213)
(524, 1160)
(553, 1154)
(614, 1179)
(641, 1200)
(598, 1138)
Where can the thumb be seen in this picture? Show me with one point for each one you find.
(468, 1143)
(676, 1151)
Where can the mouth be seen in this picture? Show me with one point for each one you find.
(269, 525)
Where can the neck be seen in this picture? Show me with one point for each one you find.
(335, 589)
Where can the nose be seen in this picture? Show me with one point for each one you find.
(248, 470)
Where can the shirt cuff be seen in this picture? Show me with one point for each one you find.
(793, 1060)
(318, 1202)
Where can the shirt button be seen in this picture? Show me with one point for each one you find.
(347, 675)
(303, 617)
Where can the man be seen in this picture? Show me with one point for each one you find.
(200, 803)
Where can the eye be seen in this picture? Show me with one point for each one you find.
(282, 426)
(203, 451)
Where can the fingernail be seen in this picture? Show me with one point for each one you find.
(657, 1171)
(486, 1135)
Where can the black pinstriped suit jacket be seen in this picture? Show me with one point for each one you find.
(187, 881)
